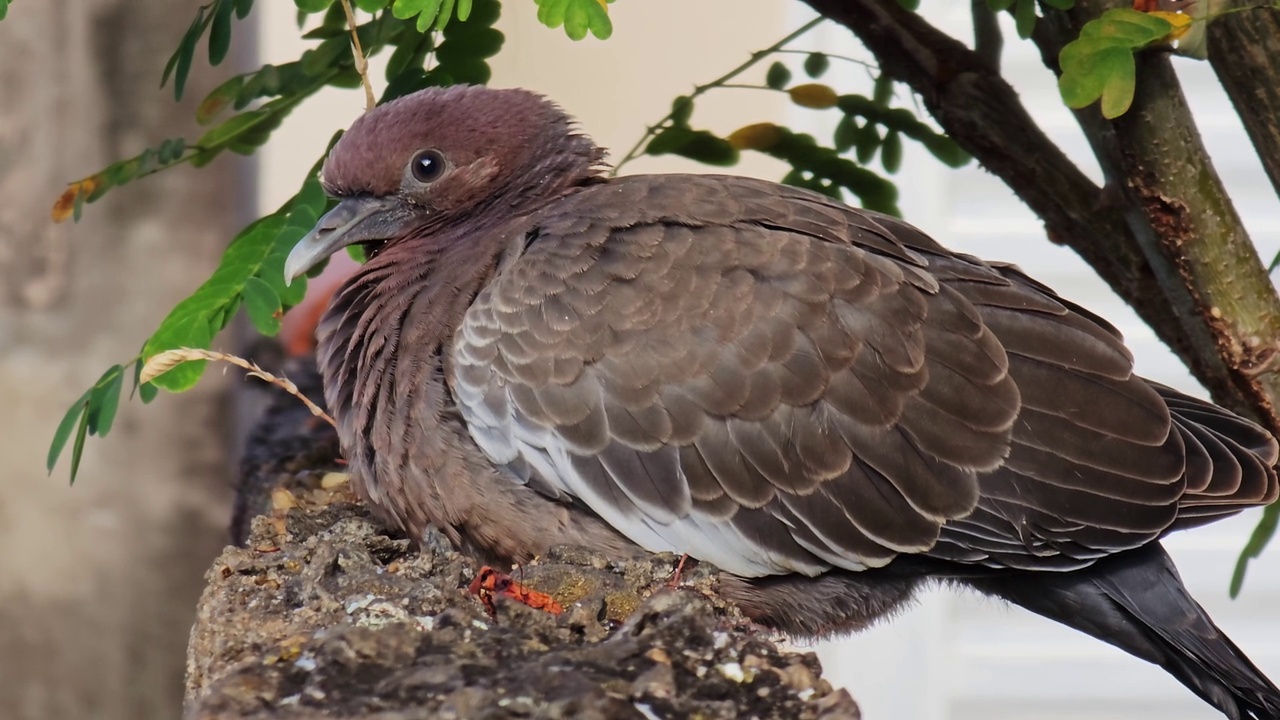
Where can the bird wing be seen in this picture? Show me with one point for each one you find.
(773, 382)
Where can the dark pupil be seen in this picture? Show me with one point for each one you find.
(426, 167)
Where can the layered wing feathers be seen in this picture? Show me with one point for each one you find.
(777, 383)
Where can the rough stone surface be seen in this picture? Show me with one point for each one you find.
(324, 614)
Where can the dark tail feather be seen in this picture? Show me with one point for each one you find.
(1136, 601)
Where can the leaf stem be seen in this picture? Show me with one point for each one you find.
(638, 149)
(362, 64)
(846, 58)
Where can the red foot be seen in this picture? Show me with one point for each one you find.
(490, 582)
(674, 582)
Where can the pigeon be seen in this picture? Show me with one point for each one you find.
(822, 402)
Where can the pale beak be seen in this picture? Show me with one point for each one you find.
(354, 220)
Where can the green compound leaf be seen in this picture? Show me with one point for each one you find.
(577, 16)
(1099, 65)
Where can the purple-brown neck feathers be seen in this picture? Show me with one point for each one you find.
(436, 232)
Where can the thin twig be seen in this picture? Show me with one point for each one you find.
(636, 150)
(362, 65)
(845, 58)
(164, 362)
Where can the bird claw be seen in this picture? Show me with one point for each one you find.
(489, 582)
(674, 581)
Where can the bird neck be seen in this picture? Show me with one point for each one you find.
(383, 349)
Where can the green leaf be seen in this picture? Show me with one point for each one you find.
(1094, 67)
(321, 59)
(576, 22)
(428, 17)
(709, 149)
(856, 105)
(147, 392)
(1024, 16)
(262, 305)
(1100, 65)
(577, 16)
(1117, 93)
(946, 150)
(442, 18)
(410, 56)
(911, 5)
(220, 31)
(63, 433)
(252, 262)
(405, 9)
(4, 8)
(891, 152)
(815, 64)
(312, 7)
(104, 400)
(464, 10)
(681, 110)
(866, 143)
(372, 6)
(822, 169)
(193, 322)
(1258, 541)
(243, 132)
(999, 5)
(1060, 4)
(219, 99)
(668, 140)
(242, 8)
(179, 64)
(77, 446)
(1126, 26)
(846, 134)
(170, 150)
(778, 76)
(700, 145)
(551, 12)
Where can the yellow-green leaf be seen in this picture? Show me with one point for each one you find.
(813, 95)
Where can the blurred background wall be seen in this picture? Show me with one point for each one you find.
(98, 582)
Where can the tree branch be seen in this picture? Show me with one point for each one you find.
(1222, 326)
(1183, 221)
(982, 112)
(1244, 47)
(988, 41)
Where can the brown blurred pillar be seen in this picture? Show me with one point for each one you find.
(98, 582)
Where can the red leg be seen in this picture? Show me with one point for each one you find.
(489, 582)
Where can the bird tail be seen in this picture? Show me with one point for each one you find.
(1136, 601)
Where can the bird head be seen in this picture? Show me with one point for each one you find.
(419, 163)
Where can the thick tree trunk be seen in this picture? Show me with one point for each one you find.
(98, 582)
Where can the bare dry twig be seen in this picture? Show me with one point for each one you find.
(166, 361)
(362, 64)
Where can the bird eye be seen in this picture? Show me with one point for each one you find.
(427, 166)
